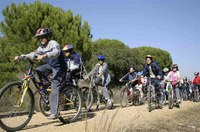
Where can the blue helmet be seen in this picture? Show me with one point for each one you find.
(101, 57)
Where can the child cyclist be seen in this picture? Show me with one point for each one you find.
(174, 77)
(133, 80)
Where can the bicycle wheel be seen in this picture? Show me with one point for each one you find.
(149, 98)
(87, 97)
(171, 99)
(13, 116)
(124, 97)
(44, 103)
(71, 101)
(137, 97)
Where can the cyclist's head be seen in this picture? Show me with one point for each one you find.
(43, 35)
(175, 67)
(166, 70)
(101, 58)
(149, 59)
(196, 73)
(185, 79)
(68, 49)
(132, 69)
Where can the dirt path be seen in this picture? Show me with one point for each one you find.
(128, 119)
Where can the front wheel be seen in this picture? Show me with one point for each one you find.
(171, 99)
(13, 114)
(149, 98)
(125, 97)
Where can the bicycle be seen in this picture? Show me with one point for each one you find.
(130, 95)
(152, 95)
(95, 95)
(196, 94)
(172, 96)
(17, 101)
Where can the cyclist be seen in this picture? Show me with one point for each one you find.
(131, 76)
(133, 79)
(74, 62)
(165, 84)
(102, 77)
(174, 77)
(185, 86)
(49, 51)
(196, 81)
(152, 69)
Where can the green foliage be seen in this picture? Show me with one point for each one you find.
(118, 55)
(163, 58)
(21, 22)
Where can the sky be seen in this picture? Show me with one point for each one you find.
(171, 25)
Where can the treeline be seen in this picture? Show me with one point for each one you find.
(22, 20)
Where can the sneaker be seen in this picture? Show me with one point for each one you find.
(109, 103)
(52, 116)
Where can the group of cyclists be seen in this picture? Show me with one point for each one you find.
(60, 61)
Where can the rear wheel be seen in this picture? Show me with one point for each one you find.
(70, 103)
(14, 116)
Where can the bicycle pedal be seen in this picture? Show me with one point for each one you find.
(63, 120)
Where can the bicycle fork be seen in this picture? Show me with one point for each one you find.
(25, 88)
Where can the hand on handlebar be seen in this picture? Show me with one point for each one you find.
(16, 58)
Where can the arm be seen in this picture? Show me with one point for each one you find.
(145, 71)
(124, 77)
(54, 50)
(94, 70)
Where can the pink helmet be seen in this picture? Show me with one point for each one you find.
(43, 32)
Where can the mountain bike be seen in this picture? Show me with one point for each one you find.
(130, 95)
(95, 95)
(172, 96)
(17, 100)
(196, 94)
(152, 100)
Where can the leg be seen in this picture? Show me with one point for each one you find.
(43, 72)
(54, 97)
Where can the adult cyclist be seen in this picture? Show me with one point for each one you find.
(49, 51)
(152, 69)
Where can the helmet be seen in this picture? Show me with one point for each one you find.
(68, 47)
(165, 69)
(101, 57)
(185, 78)
(149, 56)
(174, 66)
(196, 73)
(43, 32)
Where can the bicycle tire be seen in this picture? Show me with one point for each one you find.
(137, 97)
(124, 97)
(8, 96)
(43, 106)
(171, 99)
(149, 100)
(88, 98)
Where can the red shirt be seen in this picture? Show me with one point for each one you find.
(196, 80)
